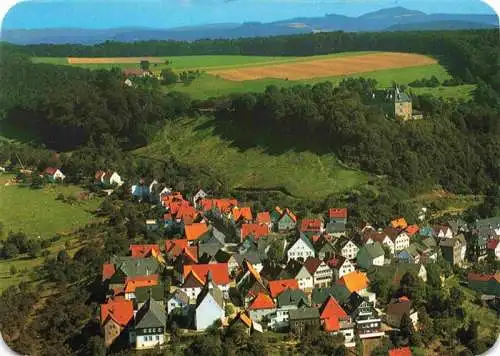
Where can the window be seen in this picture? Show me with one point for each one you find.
(157, 338)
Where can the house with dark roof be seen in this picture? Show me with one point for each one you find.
(487, 284)
(299, 272)
(370, 255)
(320, 295)
(148, 330)
(192, 285)
(366, 317)
(301, 249)
(122, 268)
(335, 229)
(453, 250)
(322, 273)
(287, 300)
(340, 266)
(337, 215)
(397, 308)
(209, 305)
(249, 283)
(142, 294)
(250, 325)
(287, 220)
(303, 319)
(324, 249)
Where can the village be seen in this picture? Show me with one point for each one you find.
(271, 271)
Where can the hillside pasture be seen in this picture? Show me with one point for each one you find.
(336, 66)
(218, 148)
(36, 212)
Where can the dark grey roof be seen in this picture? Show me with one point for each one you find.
(304, 313)
(429, 242)
(493, 222)
(209, 244)
(291, 297)
(335, 227)
(353, 303)
(222, 256)
(339, 292)
(152, 314)
(156, 292)
(251, 255)
(180, 295)
(213, 290)
(373, 250)
(132, 266)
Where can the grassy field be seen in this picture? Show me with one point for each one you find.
(37, 212)
(218, 149)
(208, 85)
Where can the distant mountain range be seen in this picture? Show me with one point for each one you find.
(392, 19)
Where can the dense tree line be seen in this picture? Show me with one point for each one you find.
(456, 146)
(68, 107)
(464, 52)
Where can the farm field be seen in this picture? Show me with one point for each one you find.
(42, 214)
(212, 146)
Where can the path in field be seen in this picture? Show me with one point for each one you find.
(112, 60)
(327, 67)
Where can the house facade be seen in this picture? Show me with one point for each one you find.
(301, 249)
(209, 305)
(304, 319)
(349, 250)
(148, 330)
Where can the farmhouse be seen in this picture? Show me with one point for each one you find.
(53, 174)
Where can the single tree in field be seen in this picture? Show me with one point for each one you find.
(145, 65)
(168, 76)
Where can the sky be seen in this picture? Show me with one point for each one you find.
(103, 14)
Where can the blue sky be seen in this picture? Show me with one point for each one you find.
(176, 13)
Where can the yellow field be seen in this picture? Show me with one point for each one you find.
(328, 67)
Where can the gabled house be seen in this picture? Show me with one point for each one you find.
(397, 308)
(320, 295)
(453, 249)
(220, 207)
(142, 294)
(209, 305)
(219, 273)
(335, 320)
(321, 272)
(132, 283)
(340, 266)
(348, 249)
(199, 195)
(251, 256)
(249, 283)
(443, 232)
(261, 306)
(458, 226)
(149, 325)
(324, 249)
(116, 316)
(400, 238)
(279, 286)
(195, 230)
(366, 317)
(255, 230)
(371, 237)
(142, 251)
(302, 248)
(370, 255)
(289, 299)
(490, 226)
(211, 242)
(355, 281)
(178, 301)
(335, 229)
(176, 247)
(303, 319)
(487, 284)
(108, 178)
(243, 214)
(53, 174)
(119, 269)
(311, 226)
(225, 257)
(299, 272)
(287, 221)
(337, 215)
(192, 285)
(250, 325)
(264, 218)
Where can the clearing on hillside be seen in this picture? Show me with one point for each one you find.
(112, 60)
(245, 159)
(327, 67)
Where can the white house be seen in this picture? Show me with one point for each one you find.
(108, 178)
(349, 250)
(148, 330)
(372, 237)
(321, 272)
(192, 286)
(301, 249)
(400, 239)
(443, 232)
(54, 174)
(304, 278)
(209, 305)
(341, 266)
(179, 300)
(200, 194)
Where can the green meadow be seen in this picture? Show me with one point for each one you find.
(204, 143)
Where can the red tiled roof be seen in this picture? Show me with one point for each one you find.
(291, 214)
(332, 309)
(262, 301)
(331, 324)
(337, 213)
(492, 244)
(50, 170)
(312, 264)
(108, 270)
(173, 246)
(143, 250)
(403, 299)
(132, 283)
(224, 205)
(244, 212)
(219, 271)
(412, 229)
(310, 225)
(195, 230)
(263, 218)
(402, 351)
(315, 238)
(354, 281)
(276, 287)
(399, 223)
(120, 310)
(255, 230)
(192, 280)
(479, 277)
(186, 213)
